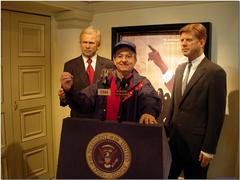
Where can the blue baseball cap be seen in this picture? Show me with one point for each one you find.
(126, 44)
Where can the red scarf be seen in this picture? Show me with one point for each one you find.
(113, 102)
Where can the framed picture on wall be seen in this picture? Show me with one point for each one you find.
(163, 38)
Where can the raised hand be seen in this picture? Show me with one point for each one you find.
(66, 80)
(157, 59)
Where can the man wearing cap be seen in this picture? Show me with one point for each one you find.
(132, 97)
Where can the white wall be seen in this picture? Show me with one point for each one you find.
(65, 46)
(225, 26)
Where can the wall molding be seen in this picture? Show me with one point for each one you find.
(73, 19)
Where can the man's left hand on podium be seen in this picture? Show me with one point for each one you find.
(147, 119)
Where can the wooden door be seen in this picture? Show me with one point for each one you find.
(27, 116)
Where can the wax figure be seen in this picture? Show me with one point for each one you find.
(85, 69)
(197, 109)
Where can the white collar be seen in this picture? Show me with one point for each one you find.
(94, 58)
(197, 61)
(94, 61)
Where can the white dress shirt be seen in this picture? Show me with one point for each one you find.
(195, 64)
(94, 61)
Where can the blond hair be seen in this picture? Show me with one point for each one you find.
(92, 30)
(198, 29)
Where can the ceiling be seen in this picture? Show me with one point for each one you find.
(79, 14)
(55, 7)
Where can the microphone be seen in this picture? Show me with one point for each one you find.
(124, 84)
(105, 78)
(123, 92)
(105, 82)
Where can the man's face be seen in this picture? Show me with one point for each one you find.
(124, 60)
(89, 44)
(191, 46)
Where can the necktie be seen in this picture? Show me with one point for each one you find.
(185, 81)
(90, 71)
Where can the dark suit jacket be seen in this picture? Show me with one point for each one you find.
(197, 116)
(77, 69)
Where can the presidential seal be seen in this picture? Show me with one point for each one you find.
(108, 155)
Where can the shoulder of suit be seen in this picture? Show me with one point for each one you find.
(74, 60)
(105, 62)
(212, 69)
(181, 64)
(213, 66)
(103, 58)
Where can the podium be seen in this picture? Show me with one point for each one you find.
(91, 149)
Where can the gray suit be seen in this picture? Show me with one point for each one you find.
(77, 69)
(195, 118)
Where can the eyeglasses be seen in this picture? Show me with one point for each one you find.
(125, 56)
